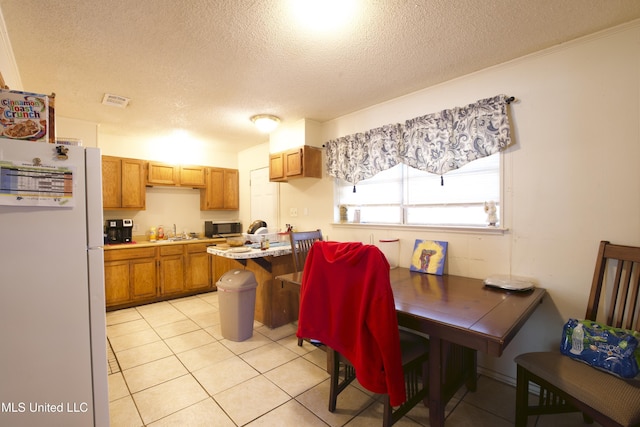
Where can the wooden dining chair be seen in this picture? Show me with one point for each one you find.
(567, 385)
(301, 242)
(347, 304)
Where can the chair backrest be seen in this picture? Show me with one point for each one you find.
(346, 302)
(301, 242)
(616, 280)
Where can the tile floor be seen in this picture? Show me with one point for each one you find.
(170, 366)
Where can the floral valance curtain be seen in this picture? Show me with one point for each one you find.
(435, 143)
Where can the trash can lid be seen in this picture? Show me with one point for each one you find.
(237, 280)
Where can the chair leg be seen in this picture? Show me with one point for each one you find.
(333, 363)
(522, 397)
(387, 416)
(300, 340)
(337, 383)
(425, 381)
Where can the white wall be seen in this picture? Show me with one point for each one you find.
(87, 132)
(571, 178)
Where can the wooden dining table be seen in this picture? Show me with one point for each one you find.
(461, 316)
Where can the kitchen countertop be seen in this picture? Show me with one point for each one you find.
(147, 243)
(276, 249)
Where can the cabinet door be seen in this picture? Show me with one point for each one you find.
(111, 182)
(231, 190)
(198, 271)
(133, 188)
(222, 190)
(171, 269)
(293, 163)
(213, 197)
(220, 265)
(143, 274)
(192, 176)
(116, 282)
(276, 167)
(162, 174)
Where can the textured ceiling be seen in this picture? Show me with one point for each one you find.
(207, 66)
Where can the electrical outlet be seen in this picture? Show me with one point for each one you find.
(293, 212)
(135, 228)
(305, 211)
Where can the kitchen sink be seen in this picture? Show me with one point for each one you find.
(180, 239)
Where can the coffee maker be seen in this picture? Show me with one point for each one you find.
(118, 230)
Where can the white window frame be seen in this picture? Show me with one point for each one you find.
(401, 220)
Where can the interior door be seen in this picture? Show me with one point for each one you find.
(264, 199)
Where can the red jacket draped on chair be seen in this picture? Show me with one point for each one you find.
(347, 303)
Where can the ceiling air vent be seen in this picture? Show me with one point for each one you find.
(115, 100)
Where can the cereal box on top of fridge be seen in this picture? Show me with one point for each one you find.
(25, 116)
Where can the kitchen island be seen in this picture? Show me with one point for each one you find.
(276, 305)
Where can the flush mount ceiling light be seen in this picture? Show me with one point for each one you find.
(265, 122)
(324, 16)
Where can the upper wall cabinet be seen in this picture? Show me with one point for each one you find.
(302, 162)
(173, 175)
(221, 191)
(123, 182)
(193, 176)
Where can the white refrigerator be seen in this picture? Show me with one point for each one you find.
(53, 357)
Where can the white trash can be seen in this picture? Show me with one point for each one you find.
(237, 300)
(391, 250)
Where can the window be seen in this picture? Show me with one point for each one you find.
(404, 195)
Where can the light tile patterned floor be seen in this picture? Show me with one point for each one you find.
(170, 366)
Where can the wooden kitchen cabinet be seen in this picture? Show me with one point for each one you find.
(198, 271)
(117, 282)
(129, 275)
(173, 175)
(221, 191)
(171, 264)
(135, 276)
(162, 174)
(143, 278)
(123, 183)
(303, 162)
(193, 176)
(276, 167)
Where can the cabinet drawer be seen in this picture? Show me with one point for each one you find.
(171, 250)
(197, 247)
(124, 254)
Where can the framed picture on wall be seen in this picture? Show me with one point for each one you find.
(429, 257)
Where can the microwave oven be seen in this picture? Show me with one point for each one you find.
(215, 229)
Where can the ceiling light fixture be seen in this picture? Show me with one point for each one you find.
(324, 16)
(265, 122)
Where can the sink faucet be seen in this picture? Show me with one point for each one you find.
(175, 234)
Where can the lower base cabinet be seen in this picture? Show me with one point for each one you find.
(135, 276)
(129, 275)
(198, 271)
(171, 280)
